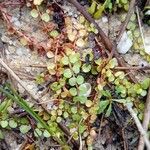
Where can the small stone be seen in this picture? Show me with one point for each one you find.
(6, 39)
(22, 51)
(50, 54)
(104, 19)
(124, 44)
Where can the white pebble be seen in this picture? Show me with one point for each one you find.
(124, 44)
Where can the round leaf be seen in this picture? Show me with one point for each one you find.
(67, 73)
(76, 67)
(80, 79)
(73, 91)
(88, 103)
(4, 123)
(54, 33)
(72, 81)
(74, 110)
(45, 17)
(86, 68)
(74, 58)
(37, 132)
(12, 124)
(46, 134)
(24, 128)
(34, 13)
(65, 60)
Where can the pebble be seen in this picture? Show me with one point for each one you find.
(6, 40)
(50, 54)
(104, 19)
(21, 51)
(124, 44)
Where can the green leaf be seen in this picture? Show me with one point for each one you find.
(12, 124)
(120, 100)
(143, 93)
(4, 123)
(59, 119)
(76, 67)
(80, 79)
(146, 83)
(99, 12)
(73, 91)
(82, 89)
(76, 117)
(45, 17)
(88, 103)
(73, 58)
(65, 114)
(82, 128)
(120, 74)
(24, 128)
(108, 112)
(74, 110)
(4, 105)
(106, 93)
(54, 33)
(65, 60)
(92, 8)
(86, 68)
(102, 106)
(113, 63)
(108, 73)
(81, 99)
(72, 81)
(67, 73)
(34, 13)
(46, 134)
(37, 132)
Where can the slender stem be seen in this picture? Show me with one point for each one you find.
(139, 125)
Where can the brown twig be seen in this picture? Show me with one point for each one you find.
(125, 23)
(133, 68)
(145, 120)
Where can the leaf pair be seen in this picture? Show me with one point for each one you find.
(96, 9)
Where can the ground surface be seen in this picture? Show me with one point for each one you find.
(27, 63)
